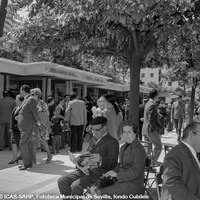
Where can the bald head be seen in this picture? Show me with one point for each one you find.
(191, 135)
(193, 127)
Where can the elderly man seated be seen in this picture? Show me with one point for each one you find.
(103, 150)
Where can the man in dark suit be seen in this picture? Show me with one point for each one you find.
(151, 126)
(7, 105)
(27, 120)
(181, 178)
(104, 149)
(141, 117)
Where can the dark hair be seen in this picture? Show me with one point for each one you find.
(88, 98)
(66, 95)
(190, 127)
(50, 99)
(60, 99)
(130, 123)
(6, 93)
(153, 93)
(26, 88)
(73, 95)
(111, 99)
(158, 102)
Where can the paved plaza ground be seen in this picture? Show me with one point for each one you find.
(40, 181)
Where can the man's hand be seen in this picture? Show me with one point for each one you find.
(110, 173)
(96, 158)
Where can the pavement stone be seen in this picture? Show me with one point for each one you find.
(40, 181)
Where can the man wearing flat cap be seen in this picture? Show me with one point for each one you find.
(103, 149)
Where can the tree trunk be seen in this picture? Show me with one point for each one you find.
(134, 88)
(192, 103)
(3, 12)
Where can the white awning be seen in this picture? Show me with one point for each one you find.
(51, 70)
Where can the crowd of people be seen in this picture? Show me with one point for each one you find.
(30, 123)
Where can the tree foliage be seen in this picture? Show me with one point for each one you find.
(125, 29)
(3, 11)
(180, 50)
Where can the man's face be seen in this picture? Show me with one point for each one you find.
(98, 131)
(22, 93)
(196, 140)
(156, 98)
(67, 98)
(62, 102)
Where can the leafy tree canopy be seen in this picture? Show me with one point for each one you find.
(127, 29)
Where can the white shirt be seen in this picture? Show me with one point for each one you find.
(193, 152)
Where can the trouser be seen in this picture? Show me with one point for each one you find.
(26, 146)
(34, 151)
(5, 136)
(67, 137)
(55, 143)
(178, 126)
(155, 139)
(122, 188)
(75, 182)
(62, 139)
(140, 130)
(76, 139)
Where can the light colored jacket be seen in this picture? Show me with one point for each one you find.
(113, 121)
(76, 113)
(28, 115)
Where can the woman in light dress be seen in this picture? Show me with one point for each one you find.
(41, 133)
(113, 115)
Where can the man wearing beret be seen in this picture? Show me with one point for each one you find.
(104, 149)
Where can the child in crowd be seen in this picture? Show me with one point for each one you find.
(56, 133)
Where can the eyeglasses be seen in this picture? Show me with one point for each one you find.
(97, 130)
(195, 133)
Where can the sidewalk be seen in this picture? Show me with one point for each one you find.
(42, 178)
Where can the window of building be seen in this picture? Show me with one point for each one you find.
(143, 75)
(151, 75)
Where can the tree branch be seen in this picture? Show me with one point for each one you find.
(109, 51)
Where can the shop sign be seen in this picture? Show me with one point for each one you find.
(76, 75)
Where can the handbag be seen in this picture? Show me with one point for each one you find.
(107, 181)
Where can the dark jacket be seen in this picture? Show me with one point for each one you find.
(151, 118)
(13, 121)
(131, 167)
(108, 148)
(181, 178)
(56, 129)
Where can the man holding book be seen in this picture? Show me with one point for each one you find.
(102, 156)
